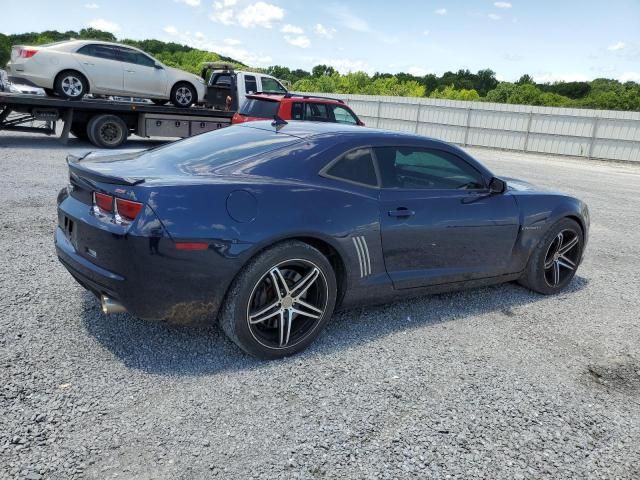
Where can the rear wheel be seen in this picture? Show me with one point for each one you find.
(107, 131)
(555, 260)
(281, 301)
(71, 85)
(183, 95)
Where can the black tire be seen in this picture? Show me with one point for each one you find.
(71, 85)
(49, 92)
(107, 131)
(183, 95)
(79, 130)
(549, 270)
(157, 101)
(253, 290)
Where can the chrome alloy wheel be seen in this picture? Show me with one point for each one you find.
(72, 86)
(562, 257)
(184, 96)
(287, 304)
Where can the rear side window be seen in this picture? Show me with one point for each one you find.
(317, 112)
(250, 84)
(100, 51)
(297, 111)
(355, 166)
(254, 107)
(132, 56)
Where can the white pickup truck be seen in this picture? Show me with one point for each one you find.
(227, 88)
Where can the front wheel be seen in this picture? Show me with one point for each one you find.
(555, 259)
(281, 301)
(183, 95)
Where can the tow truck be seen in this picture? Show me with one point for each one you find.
(107, 123)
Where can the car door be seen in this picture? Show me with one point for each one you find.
(101, 65)
(439, 224)
(141, 76)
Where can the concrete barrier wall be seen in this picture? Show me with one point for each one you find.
(577, 132)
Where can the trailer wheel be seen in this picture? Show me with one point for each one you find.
(107, 131)
(71, 85)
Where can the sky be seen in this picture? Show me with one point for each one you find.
(548, 39)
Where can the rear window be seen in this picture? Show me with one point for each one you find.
(355, 166)
(200, 155)
(253, 107)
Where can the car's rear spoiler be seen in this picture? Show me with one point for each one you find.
(77, 169)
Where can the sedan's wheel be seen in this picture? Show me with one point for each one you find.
(555, 259)
(71, 85)
(183, 95)
(280, 301)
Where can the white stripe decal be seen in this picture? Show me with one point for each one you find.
(366, 252)
(355, 242)
(364, 259)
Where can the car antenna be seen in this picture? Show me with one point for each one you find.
(278, 123)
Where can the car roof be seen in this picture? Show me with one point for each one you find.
(294, 97)
(306, 129)
(92, 42)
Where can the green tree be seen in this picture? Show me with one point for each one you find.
(5, 50)
(322, 70)
(526, 79)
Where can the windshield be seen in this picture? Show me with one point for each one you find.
(254, 107)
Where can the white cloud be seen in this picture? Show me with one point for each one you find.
(345, 65)
(630, 77)
(260, 14)
(502, 4)
(348, 19)
(417, 71)
(91, 6)
(224, 17)
(105, 25)
(547, 77)
(288, 28)
(440, 11)
(171, 30)
(616, 46)
(199, 35)
(426, 33)
(231, 41)
(323, 31)
(224, 4)
(301, 41)
(493, 16)
(191, 3)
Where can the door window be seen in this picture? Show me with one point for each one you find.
(133, 56)
(271, 85)
(355, 166)
(316, 112)
(344, 115)
(424, 169)
(250, 84)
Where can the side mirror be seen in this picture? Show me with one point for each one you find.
(497, 186)
(157, 66)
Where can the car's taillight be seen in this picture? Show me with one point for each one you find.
(103, 201)
(127, 209)
(124, 211)
(27, 52)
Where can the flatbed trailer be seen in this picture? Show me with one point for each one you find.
(105, 123)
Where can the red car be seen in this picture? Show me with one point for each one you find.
(264, 106)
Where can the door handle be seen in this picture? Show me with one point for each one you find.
(130, 71)
(401, 212)
(87, 63)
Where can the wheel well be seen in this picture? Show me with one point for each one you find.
(195, 90)
(578, 220)
(86, 80)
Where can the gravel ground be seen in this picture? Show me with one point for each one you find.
(489, 383)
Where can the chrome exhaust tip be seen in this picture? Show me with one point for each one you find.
(109, 305)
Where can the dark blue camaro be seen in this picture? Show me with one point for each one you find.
(269, 231)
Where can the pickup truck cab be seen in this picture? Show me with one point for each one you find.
(227, 88)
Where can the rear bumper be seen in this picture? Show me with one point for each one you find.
(152, 293)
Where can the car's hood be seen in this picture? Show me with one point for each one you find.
(521, 185)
